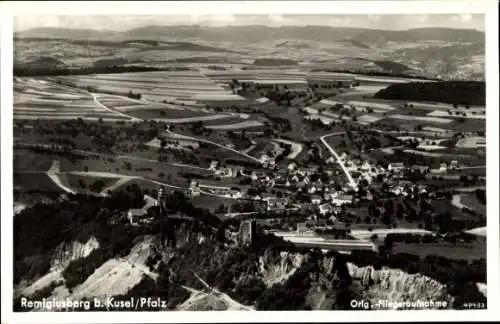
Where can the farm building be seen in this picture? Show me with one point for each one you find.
(423, 169)
(194, 189)
(396, 167)
(454, 165)
(316, 199)
(248, 230)
(325, 209)
(340, 199)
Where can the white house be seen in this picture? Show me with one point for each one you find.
(454, 165)
(325, 209)
(396, 167)
(366, 166)
(397, 190)
(213, 165)
(292, 166)
(236, 194)
(135, 215)
(315, 199)
(442, 168)
(341, 199)
(225, 172)
(194, 189)
(312, 190)
(264, 159)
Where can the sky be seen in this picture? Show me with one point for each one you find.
(388, 22)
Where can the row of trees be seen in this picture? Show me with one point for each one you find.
(453, 92)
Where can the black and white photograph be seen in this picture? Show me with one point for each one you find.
(178, 162)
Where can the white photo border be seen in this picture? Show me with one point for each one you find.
(487, 7)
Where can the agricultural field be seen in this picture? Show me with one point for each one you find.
(261, 76)
(480, 114)
(40, 99)
(180, 87)
(471, 142)
(432, 120)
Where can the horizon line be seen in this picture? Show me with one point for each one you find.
(240, 26)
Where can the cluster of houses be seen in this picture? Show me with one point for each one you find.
(223, 171)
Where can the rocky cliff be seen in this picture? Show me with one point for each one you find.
(61, 257)
(277, 270)
(67, 252)
(397, 285)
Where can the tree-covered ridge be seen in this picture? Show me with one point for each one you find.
(452, 92)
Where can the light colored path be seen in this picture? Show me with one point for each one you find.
(222, 296)
(96, 100)
(116, 185)
(179, 136)
(53, 172)
(479, 231)
(189, 166)
(296, 147)
(457, 203)
(337, 157)
(382, 232)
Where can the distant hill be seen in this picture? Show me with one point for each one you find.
(261, 33)
(420, 34)
(444, 52)
(65, 33)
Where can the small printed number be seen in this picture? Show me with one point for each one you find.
(474, 305)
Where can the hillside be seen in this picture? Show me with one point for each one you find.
(64, 33)
(67, 248)
(421, 34)
(453, 92)
(260, 33)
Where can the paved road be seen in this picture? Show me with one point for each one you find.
(180, 136)
(337, 157)
(53, 172)
(97, 102)
(254, 212)
(296, 147)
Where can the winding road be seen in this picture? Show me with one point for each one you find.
(180, 136)
(97, 102)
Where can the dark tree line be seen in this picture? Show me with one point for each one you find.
(453, 92)
(21, 71)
